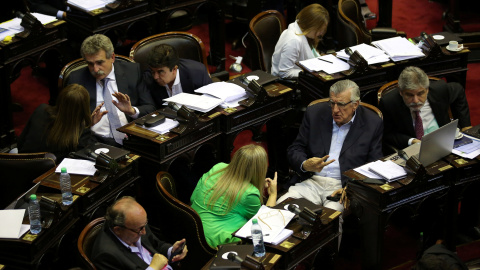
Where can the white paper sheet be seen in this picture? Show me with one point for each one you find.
(77, 166)
(11, 222)
(165, 126)
(336, 65)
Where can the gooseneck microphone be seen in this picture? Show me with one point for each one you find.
(173, 106)
(91, 154)
(307, 214)
(234, 258)
(294, 209)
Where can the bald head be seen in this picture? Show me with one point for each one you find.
(127, 219)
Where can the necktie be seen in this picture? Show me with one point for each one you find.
(418, 125)
(112, 113)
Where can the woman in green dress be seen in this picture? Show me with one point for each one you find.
(228, 195)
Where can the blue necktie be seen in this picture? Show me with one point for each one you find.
(112, 113)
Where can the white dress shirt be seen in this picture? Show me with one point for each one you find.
(176, 87)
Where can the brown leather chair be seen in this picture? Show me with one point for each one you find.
(87, 238)
(366, 105)
(78, 64)
(351, 26)
(265, 30)
(177, 220)
(19, 171)
(187, 45)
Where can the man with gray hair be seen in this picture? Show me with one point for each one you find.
(116, 89)
(417, 107)
(334, 137)
(126, 241)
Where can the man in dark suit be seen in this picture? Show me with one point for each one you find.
(57, 8)
(126, 242)
(415, 95)
(170, 75)
(334, 137)
(116, 89)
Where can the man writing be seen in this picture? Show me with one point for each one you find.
(117, 92)
(170, 75)
(126, 242)
(417, 107)
(334, 137)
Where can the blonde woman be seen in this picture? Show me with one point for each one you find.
(228, 195)
(299, 41)
(62, 128)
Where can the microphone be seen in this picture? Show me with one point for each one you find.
(19, 14)
(348, 51)
(294, 209)
(173, 106)
(91, 154)
(402, 154)
(307, 214)
(234, 258)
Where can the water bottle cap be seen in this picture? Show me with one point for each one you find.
(64, 170)
(33, 197)
(254, 221)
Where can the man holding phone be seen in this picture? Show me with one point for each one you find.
(126, 241)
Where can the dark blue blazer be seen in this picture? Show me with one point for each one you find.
(363, 143)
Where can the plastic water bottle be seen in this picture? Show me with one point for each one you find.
(66, 187)
(257, 238)
(34, 215)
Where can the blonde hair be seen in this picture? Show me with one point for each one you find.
(248, 166)
(313, 18)
(69, 117)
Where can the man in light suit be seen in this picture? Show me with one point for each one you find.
(432, 101)
(128, 98)
(126, 242)
(170, 75)
(334, 137)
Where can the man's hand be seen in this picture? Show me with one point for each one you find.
(416, 141)
(343, 198)
(97, 114)
(158, 261)
(316, 164)
(123, 103)
(181, 255)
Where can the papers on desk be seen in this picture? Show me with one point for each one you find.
(388, 170)
(195, 102)
(371, 54)
(399, 48)
(272, 221)
(12, 27)
(365, 170)
(470, 150)
(77, 166)
(229, 93)
(11, 225)
(316, 64)
(164, 127)
(89, 5)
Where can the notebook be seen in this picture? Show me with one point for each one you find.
(221, 262)
(118, 154)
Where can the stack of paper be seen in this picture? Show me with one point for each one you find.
(77, 166)
(12, 27)
(229, 93)
(371, 54)
(272, 221)
(388, 170)
(328, 63)
(399, 48)
(195, 102)
(165, 126)
(89, 5)
(11, 225)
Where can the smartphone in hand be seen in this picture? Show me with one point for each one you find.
(179, 250)
(335, 198)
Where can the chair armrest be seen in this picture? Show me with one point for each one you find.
(385, 32)
(221, 76)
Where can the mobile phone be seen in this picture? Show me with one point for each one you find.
(179, 250)
(335, 198)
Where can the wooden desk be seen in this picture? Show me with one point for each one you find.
(40, 46)
(316, 85)
(89, 196)
(374, 205)
(269, 261)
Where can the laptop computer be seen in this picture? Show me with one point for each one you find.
(435, 145)
(22, 201)
(118, 154)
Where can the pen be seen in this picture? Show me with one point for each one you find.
(325, 60)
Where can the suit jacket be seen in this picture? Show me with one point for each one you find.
(441, 96)
(129, 81)
(48, 7)
(362, 144)
(193, 75)
(109, 253)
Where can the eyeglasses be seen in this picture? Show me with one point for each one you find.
(340, 105)
(135, 231)
(272, 217)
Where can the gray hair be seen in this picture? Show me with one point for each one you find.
(413, 78)
(344, 85)
(93, 44)
(116, 217)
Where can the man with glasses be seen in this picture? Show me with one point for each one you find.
(126, 242)
(418, 107)
(334, 137)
